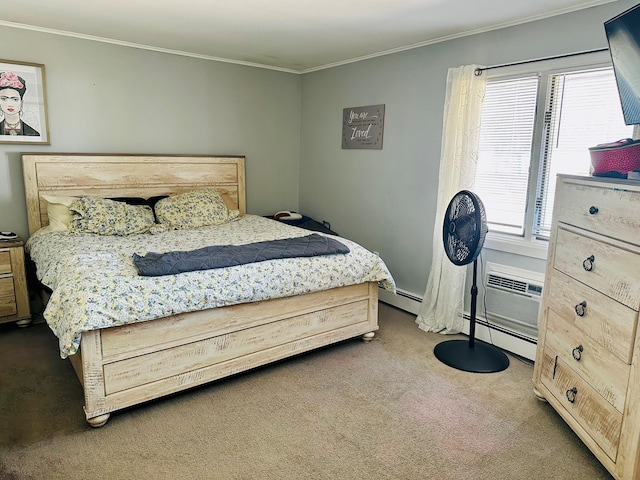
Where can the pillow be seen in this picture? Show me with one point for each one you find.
(58, 212)
(108, 217)
(195, 209)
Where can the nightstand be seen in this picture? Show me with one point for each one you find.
(14, 295)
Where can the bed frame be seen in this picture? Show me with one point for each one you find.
(127, 365)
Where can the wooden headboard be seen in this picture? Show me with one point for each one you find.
(111, 176)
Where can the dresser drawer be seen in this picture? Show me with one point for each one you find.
(613, 270)
(597, 416)
(5, 262)
(595, 364)
(610, 324)
(616, 214)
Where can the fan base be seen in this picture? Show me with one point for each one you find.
(481, 358)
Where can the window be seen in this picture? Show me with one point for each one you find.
(535, 125)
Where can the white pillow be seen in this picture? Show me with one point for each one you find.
(58, 212)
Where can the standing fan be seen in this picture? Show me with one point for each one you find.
(464, 231)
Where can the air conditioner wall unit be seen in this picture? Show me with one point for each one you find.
(512, 298)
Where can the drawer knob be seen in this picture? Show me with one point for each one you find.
(593, 210)
(587, 264)
(577, 352)
(581, 308)
(571, 394)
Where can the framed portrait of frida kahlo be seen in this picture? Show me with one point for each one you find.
(23, 110)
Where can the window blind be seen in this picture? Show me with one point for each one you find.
(583, 110)
(504, 152)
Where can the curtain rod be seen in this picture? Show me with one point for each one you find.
(478, 71)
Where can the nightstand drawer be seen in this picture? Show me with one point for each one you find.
(5, 262)
(8, 306)
(596, 365)
(610, 324)
(14, 293)
(6, 287)
(601, 264)
(601, 421)
(610, 211)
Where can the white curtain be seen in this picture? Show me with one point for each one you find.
(444, 297)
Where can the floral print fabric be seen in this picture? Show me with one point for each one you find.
(108, 217)
(194, 209)
(96, 285)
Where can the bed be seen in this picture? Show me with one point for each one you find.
(124, 362)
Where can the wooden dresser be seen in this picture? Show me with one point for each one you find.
(14, 295)
(588, 350)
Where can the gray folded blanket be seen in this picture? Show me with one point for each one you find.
(206, 258)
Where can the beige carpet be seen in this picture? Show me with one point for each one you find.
(383, 410)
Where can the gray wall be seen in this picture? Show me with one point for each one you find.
(385, 199)
(107, 98)
(112, 99)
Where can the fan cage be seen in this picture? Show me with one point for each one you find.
(464, 228)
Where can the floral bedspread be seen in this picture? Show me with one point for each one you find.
(96, 285)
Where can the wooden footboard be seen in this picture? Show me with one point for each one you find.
(127, 365)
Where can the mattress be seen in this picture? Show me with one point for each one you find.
(96, 285)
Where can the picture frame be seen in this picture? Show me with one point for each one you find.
(23, 106)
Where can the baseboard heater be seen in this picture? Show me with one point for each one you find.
(410, 296)
(511, 319)
(498, 328)
(407, 301)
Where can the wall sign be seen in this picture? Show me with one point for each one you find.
(362, 127)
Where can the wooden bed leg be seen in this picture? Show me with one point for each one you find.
(367, 337)
(99, 421)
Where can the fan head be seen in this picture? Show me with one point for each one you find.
(464, 228)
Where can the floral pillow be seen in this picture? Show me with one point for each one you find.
(195, 209)
(108, 217)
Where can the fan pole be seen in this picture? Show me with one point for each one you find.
(474, 297)
(470, 356)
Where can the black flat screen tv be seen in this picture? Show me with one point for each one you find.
(623, 35)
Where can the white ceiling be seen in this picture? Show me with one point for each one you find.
(289, 35)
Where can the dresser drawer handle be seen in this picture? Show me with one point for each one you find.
(577, 352)
(571, 394)
(581, 308)
(587, 264)
(593, 210)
